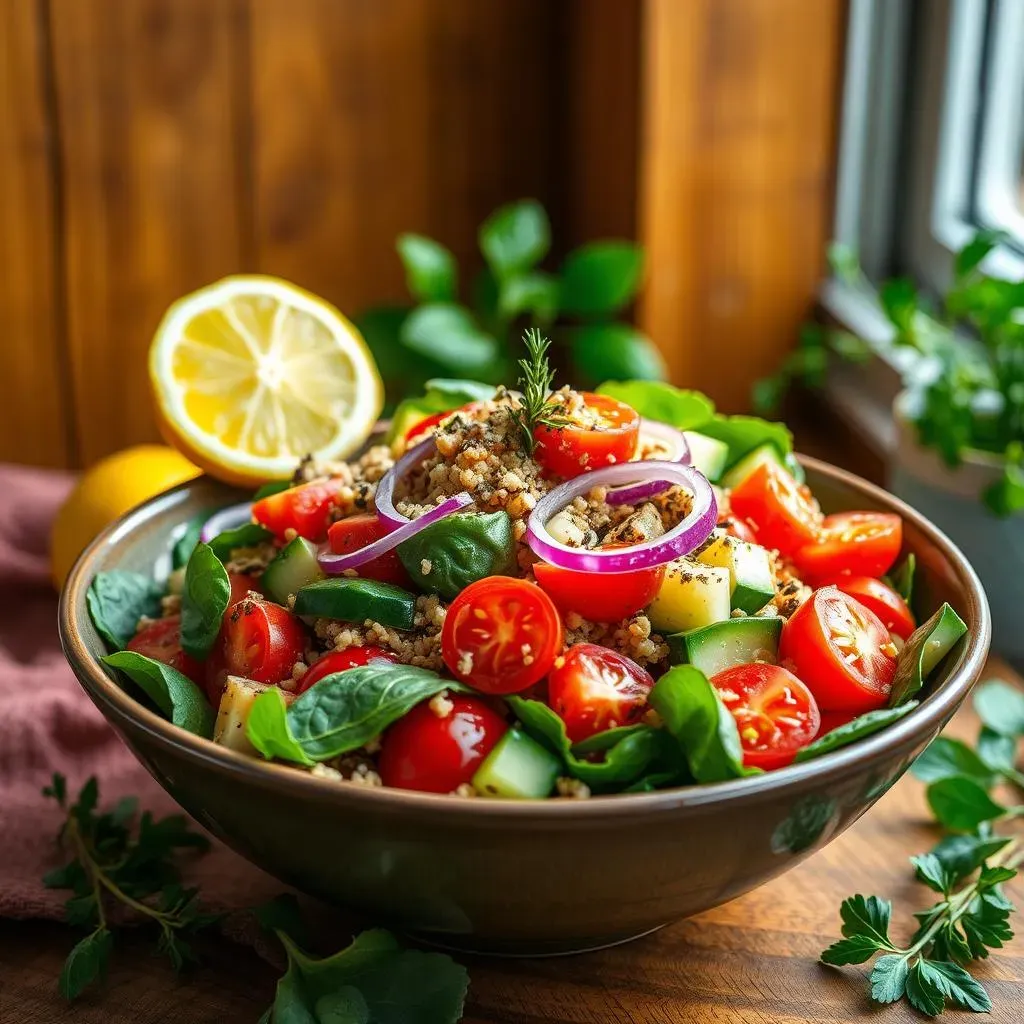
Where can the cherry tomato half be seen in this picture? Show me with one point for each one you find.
(435, 754)
(852, 544)
(261, 641)
(306, 509)
(340, 661)
(882, 600)
(355, 532)
(592, 688)
(569, 451)
(425, 424)
(608, 597)
(501, 635)
(842, 651)
(161, 641)
(781, 512)
(775, 713)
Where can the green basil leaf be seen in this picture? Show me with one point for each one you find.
(1001, 707)
(615, 352)
(695, 716)
(117, 600)
(924, 649)
(430, 269)
(515, 237)
(86, 963)
(534, 292)
(850, 732)
(175, 695)
(903, 578)
(867, 915)
(447, 556)
(187, 537)
(685, 410)
(248, 535)
(268, 729)
(203, 601)
(999, 752)
(961, 804)
(448, 334)
(946, 757)
(930, 870)
(270, 488)
(961, 855)
(601, 278)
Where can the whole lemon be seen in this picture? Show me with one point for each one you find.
(106, 491)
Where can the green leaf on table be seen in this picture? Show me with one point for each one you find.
(601, 278)
(946, 757)
(856, 729)
(956, 985)
(203, 601)
(902, 578)
(855, 950)
(1000, 706)
(187, 538)
(930, 870)
(175, 695)
(961, 804)
(889, 978)
(961, 855)
(86, 963)
(924, 649)
(533, 292)
(921, 992)
(515, 237)
(448, 334)
(998, 752)
(616, 352)
(431, 274)
(268, 730)
(117, 600)
(248, 535)
(866, 915)
(679, 408)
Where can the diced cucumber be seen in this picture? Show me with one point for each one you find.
(715, 648)
(691, 595)
(707, 454)
(518, 768)
(740, 470)
(947, 631)
(352, 599)
(294, 568)
(750, 569)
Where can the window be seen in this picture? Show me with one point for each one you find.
(932, 149)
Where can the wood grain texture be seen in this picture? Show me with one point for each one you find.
(34, 417)
(146, 94)
(752, 961)
(736, 176)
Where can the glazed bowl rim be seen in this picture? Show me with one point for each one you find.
(123, 710)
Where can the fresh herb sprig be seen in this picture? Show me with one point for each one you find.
(537, 407)
(113, 864)
(968, 869)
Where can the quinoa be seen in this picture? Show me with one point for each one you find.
(632, 637)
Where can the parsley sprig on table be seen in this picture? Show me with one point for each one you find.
(114, 864)
(537, 407)
(968, 869)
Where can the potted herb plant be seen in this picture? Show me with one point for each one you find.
(959, 456)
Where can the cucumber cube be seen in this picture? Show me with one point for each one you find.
(518, 768)
(715, 648)
(294, 568)
(707, 454)
(749, 566)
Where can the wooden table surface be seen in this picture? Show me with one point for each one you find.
(752, 961)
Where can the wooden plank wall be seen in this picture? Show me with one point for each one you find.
(150, 146)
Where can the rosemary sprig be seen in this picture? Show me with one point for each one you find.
(537, 407)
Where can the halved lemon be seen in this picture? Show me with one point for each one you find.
(252, 373)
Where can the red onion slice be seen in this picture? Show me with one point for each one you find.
(333, 564)
(686, 535)
(679, 451)
(384, 499)
(226, 519)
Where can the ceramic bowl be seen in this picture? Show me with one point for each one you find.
(524, 877)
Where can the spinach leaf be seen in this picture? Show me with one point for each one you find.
(175, 695)
(695, 716)
(117, 600)
(902, 580)
(203, 601)
(857, 729)
(189, 536)
(924, 649)
(272, 487)
(685, 410)
(247, 535)
(445, 557)
(372, 980)
(269, 732)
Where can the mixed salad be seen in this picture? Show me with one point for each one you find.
(534, 593)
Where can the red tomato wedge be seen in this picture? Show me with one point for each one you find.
(592, 688)
(501, 635)
(437, 753)
(340, 661)
(355, 532)
(780, 511)
(569, 451)
(775, 713)
(851, 544)
(604, 597)
(161, 641)
(261, 641)
(306, 509)
(882, 600)
(842, 651)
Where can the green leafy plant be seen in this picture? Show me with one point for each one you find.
(961, 357)
(967, 869)
(116, 864)
(442, 336)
